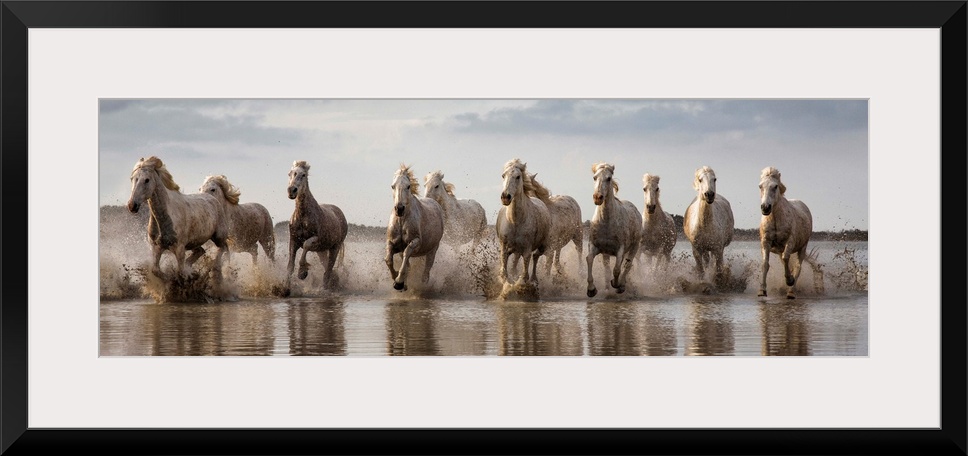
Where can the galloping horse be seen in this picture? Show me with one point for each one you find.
(708, 222)
(249, 223)
(523, 224)
(178, 222)
(658, 227)
(464, 219)
(565, 224)
(415, 228)
(616, 228)
(784, 229)
(314, 227)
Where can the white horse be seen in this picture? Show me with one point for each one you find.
(415, 228)
(708, 222)
(523, 223)
(566, 224)
(616, 228)
(658, 227)
(178, 222)
(464, 219)
(314, 227)
(249, 223)
(784, 229)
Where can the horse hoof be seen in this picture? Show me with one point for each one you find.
(592, 292)
(761, 293)
(620, 290)
(398, 286)
(614, 283)
(791, 296)
(790, 281)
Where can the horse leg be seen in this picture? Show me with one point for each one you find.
(700, 270)
(400, 282)
(617, 272)
(764, 268)
(548, 263)
(504, 263)
(527, 264)
(592, 251)
(330, 279)
(720, 264)
(534, 264)
(626, 267)
(181, 265)
(293, 247)
(787, 272)
(156, 264)
(796, 275)
(389, 261)
(428, 263)
(310, 244)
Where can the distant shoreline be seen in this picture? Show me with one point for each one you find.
(359, 232)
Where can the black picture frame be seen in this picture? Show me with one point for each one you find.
(17, 17)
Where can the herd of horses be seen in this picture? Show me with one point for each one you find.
(531, 223)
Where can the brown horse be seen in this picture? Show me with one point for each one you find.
(249, 223)
(314, 227)
(178, 222)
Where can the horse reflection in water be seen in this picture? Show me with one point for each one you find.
(536, 329)
(786, 329)
(316, 327)
(710, 328)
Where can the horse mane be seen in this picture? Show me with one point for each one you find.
(156, 164)
(540, 191)
(405, 170)
(648, 179)
(301, 164)
(608, 167)
(772, 173)
(523, 167)
(230, 191)
(448, 187)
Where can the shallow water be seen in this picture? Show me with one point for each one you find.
(457, 314)
(362, 326)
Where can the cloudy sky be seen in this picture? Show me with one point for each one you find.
(355, 146)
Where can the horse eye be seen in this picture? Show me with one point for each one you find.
(518, 177)
(437, 186)
(645, 189)
(608, 179)
(714, 179)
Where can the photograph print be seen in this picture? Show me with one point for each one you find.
(483, 227)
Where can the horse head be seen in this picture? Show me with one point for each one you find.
(404, 186)
(221, 189)
(435, 187)
(705, 183)
(605, 184)
(145, 178)
(298, 178)
(650, 185)
(516, 180)
(770, 185)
